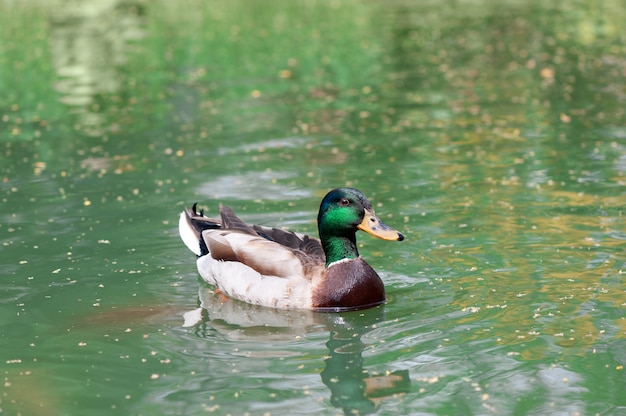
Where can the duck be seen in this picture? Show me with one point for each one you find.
(278, 268)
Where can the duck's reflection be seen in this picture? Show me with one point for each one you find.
(352, 387)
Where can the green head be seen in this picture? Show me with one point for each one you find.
(343, 211)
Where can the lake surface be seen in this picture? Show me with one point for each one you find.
(491, 133)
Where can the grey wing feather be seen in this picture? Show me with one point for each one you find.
(308, 249)
(230, 221)
(308, 245)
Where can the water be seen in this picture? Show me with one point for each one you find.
(490, 133)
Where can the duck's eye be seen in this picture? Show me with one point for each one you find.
(344, 202)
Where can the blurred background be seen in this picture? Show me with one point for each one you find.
(491, 133)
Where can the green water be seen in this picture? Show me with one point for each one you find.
(492, 134)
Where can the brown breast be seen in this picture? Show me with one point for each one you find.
(348, 285)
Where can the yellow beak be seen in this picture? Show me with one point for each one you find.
(371, 224)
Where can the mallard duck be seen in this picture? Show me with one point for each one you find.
(283, 269)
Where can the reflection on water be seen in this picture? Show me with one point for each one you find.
(494, 134)
(88, 42)
(352, 387)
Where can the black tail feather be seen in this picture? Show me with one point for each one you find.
(199, 223)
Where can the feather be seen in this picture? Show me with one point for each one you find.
(189, 234)
(219, 246)
(273, 267)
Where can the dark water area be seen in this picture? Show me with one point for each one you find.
(491, 134)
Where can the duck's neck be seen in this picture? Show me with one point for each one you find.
(339, 248)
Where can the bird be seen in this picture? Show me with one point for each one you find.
(283, 269)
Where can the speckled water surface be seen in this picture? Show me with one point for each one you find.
(491, 133)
